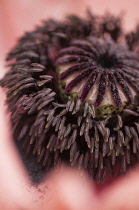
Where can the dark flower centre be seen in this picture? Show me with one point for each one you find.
(106, 61)
(98, 70)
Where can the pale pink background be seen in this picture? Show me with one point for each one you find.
(17, 16)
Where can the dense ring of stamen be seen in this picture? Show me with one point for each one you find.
(74, 131)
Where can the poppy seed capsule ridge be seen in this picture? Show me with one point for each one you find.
(72, 91)
(102, 69)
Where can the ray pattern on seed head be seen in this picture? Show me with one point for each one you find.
(103, 58)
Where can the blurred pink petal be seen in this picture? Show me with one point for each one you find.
(123, 194)
(20, 16)
(13, 178)
(68, 190)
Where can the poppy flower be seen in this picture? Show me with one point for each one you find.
(115, 39)
(72, 91)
